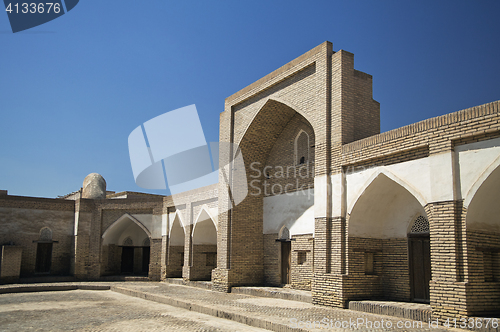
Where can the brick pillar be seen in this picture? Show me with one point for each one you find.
(94, 269)
(155, 259)
(447, 290)
(188, 246)
(164, 257)
(83, 219)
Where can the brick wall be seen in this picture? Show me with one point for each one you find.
(22, 218)
(10, 263)
(202, 266)
(175, 262)
(155, 259)
(272, 260)
(302, 268)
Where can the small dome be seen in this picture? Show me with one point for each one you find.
(94, 186)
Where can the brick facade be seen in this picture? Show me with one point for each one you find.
(315, 116)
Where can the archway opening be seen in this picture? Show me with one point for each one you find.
(204, 249)
(419, 259)
(483, 247)
(378, 228)
(286, 255)
(175, 260)
(44, 252)
(270, 148)
(125, 248)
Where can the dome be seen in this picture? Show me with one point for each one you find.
(94, 187)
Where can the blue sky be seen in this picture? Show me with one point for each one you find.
(73, 89)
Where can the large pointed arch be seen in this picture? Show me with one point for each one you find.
(257, 140)
(276, 103)
(176, 232)
(382, 171)
(204, 214)
(384, 209)
(114, 231)
(177, 216)
(483, 210)
(205, 228)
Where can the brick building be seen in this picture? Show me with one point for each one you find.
(333, 205)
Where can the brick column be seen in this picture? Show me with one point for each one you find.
(155, 259)
(447, 290)
(83, 219)
(94, 259)
(164, 257)
(188, 245)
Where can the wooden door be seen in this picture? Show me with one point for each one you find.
(286, 249)
(43, 257)
(127, 260)
(420, 267)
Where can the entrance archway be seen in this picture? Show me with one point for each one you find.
(204, 249)
(378, 227)
(176, 237)
(483, 246)
(126, 247)
(286, 255)
(270, 151)
(419, 252)
(44, 251)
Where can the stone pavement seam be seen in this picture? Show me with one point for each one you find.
(50, 288)
(240, 318)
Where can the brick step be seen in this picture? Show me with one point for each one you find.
(275, 292)
(192, 283)
(415, 311)
(124, 278)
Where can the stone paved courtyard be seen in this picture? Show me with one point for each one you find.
(83, 310)
(153, 306)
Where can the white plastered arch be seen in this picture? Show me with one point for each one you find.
(176, 241)
(205, 209)
(115, 226)
(384, 171)
(480, 180)
(209, 236)
(177, 215)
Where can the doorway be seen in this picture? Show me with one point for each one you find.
(286, 250)
(43, 257)
(419, 250)
(127, 265)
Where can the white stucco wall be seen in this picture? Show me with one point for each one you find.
(428, 179)
(294, 210)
